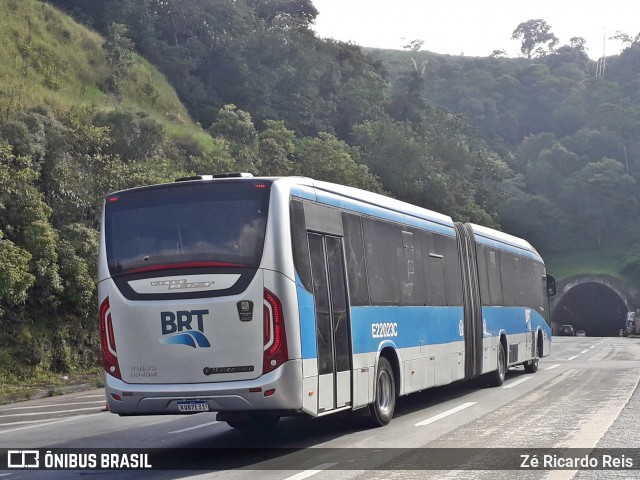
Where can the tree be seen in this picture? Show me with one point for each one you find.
(579, 43)
(277, 147)
(285, 13)
(601, 198)
(24, 221)
(626, 39)
(327, 158)
(78, 257)
(536, 38)
(538, 220)
(15, 277)
(119, 53)
(236, 127)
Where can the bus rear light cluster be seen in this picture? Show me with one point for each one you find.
(275, 339)
(108, 341)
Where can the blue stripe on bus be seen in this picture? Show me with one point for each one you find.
(513, 320)
(414, 326)
(429, 325)
(303, 192)
(307, 312)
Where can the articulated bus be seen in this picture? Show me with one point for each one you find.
(259, 298)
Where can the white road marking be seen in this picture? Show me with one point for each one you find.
(93, 396)
(553, 366)
(195, 427)
(584, 351)
(69, 419)
(445, 414)
(571, 358)
(25, 422)
(52, 405)
(592, 346)
(517, 382)
(50, 413)
(309, 473)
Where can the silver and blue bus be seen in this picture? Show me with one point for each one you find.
(259, 298)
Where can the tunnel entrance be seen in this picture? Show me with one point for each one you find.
(592, 307)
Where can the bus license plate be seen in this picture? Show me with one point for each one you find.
(188, 407)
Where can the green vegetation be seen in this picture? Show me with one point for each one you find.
(48, 59)
(606, 262)
(545, 147)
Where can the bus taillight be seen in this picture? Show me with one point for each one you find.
(108, 341)
(275, 339)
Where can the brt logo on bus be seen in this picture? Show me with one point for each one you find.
(178, 328)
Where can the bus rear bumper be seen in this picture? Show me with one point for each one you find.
(277, 390)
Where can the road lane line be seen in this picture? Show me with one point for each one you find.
(309, 473)
(571, 358)
(50, 413)
(584, 351)
(592, 346)
(101, 402)
(553, 366)
(69, 419)
(517, 382)
(445, 414)
(24, 422)
(195, 427)
(102, 395)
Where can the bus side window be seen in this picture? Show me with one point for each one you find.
(356, 262)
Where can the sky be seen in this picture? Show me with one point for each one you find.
(474, 27)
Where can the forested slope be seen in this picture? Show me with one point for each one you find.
(101, 96)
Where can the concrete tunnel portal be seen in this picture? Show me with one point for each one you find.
(592, 306)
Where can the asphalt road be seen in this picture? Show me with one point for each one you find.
(583, 396)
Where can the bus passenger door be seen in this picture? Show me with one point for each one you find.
(333, 330)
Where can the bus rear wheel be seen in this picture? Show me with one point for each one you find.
(384, 404)
(532, 365)
(251, 421)
(496, 378)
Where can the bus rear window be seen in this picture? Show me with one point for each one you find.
(186, 225)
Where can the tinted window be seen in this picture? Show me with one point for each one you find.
(356, 264)
(384, 251)
(208, 223)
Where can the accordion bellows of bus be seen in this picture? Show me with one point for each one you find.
(258, 298)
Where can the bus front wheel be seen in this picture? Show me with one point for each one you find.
(385, 395)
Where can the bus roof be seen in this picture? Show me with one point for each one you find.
(371, 198)
(483, 234)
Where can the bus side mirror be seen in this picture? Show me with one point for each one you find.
(551, 285)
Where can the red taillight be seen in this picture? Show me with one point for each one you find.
(267, 326)
(275, 338)
(108, 340)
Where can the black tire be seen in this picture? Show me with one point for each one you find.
(253, 421)
(532, 365)
(496, 378)
(384, 404)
